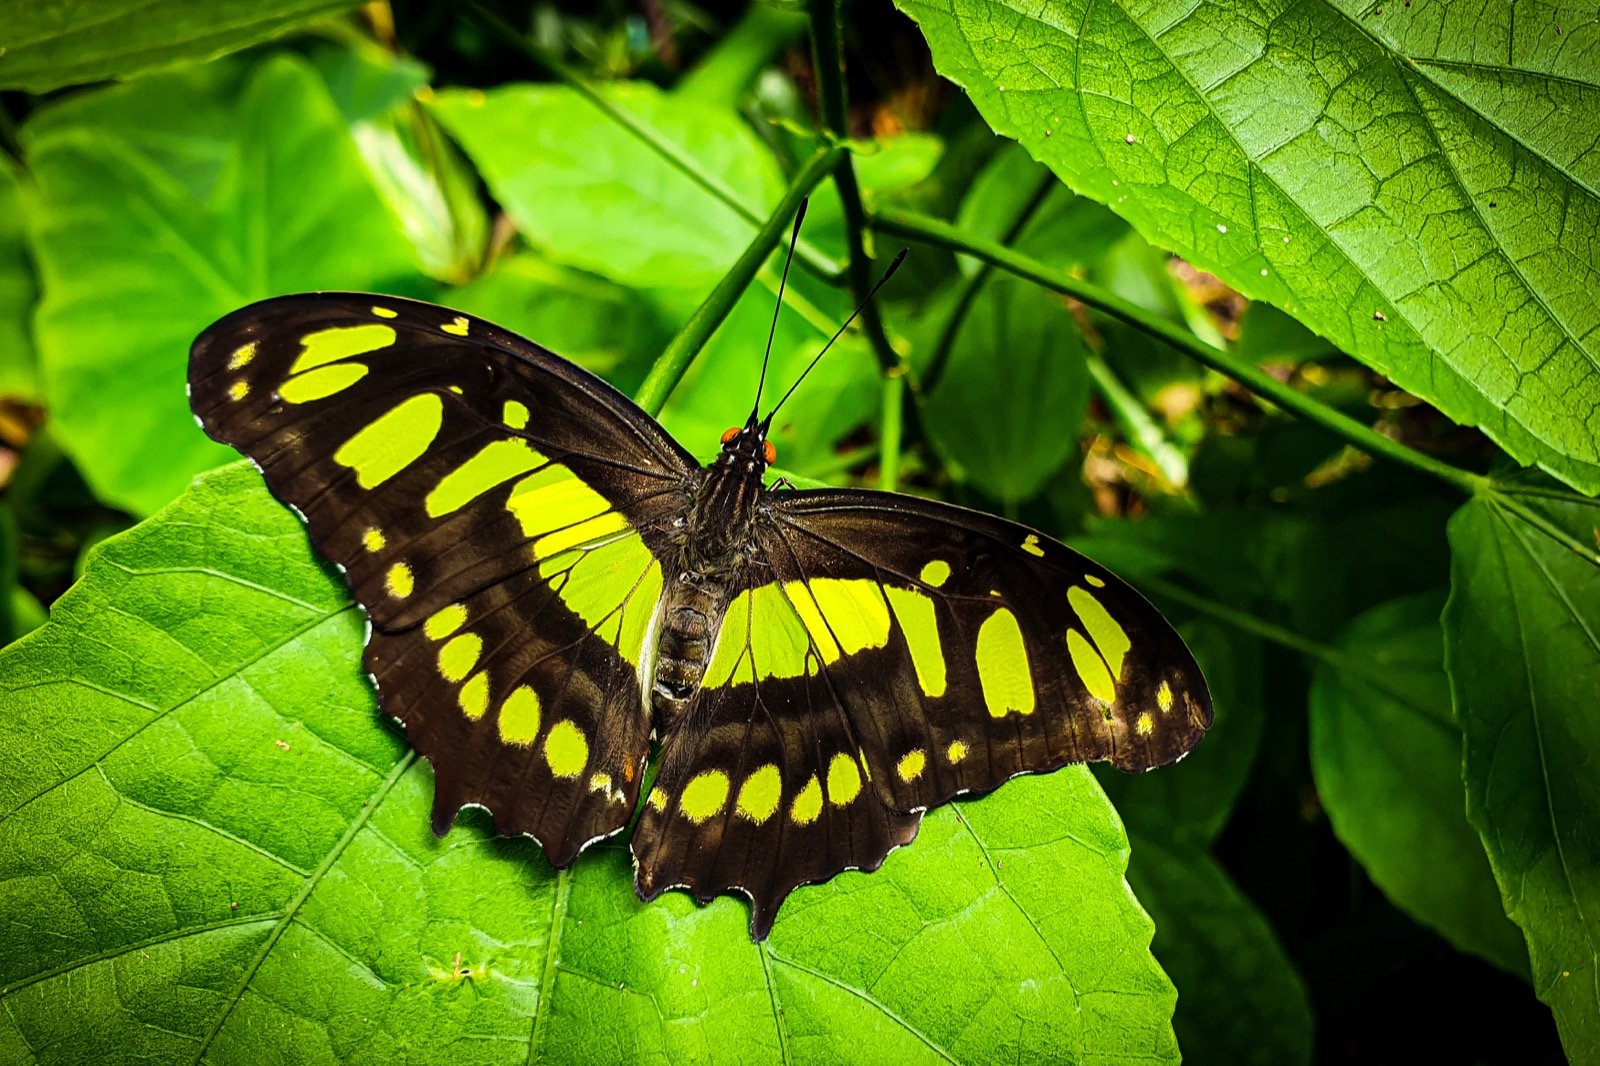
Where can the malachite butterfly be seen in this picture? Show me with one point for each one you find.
(553, 583)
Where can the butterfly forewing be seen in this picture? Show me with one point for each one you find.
(497, 512)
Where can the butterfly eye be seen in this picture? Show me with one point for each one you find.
(770, 452)
(729, 433)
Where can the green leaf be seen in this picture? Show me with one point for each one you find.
(1188, 804)
(210, 848)
(138, 256)
(1386, 175)
(1065, 230)
(1522, 647)
(45, 46)
(599, 324)
(1009, 405)
(19, 376)
(1240, 999)
(1386, 754)
(590, 194)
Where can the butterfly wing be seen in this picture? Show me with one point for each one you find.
(497, 512)
(889, 654)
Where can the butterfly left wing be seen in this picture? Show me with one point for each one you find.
(887, 654)
(496, 511)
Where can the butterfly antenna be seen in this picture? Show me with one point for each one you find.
(887, 274)
(777, 309)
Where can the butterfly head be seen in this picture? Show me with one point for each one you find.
(749, 445)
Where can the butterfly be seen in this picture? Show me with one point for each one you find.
(553, 585)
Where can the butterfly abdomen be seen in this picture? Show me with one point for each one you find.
(691, 612)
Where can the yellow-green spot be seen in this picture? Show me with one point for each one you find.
(340, 342)
(842, 615)
(399, 581)
(519, 716)
(238, 390)
(566, 750)
(1091, 668)
(1108, 636)
(844, 779)
(914, 612)
(935, 573)
(614, 588)
(657, 799)
(459, 656)
(1003, 665)
(1145, 725)
(443, 622)
(1164, 697)
(1030, 544)
(385, 312)
(704, 796)
(373, 540)
(241, 356)
(599, 782)
(322, 382)
(457, 325)
(759, 795)
(956, 751)
(558, 509)
(911, 765)
(393, 441)
(498, 462)
(761, 637)
(515, 414)
(1094, 581)
(474, 695)
(808, 804)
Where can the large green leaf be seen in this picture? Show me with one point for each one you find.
(1386, 753)
(1240, 999)
(139, 250)
(18, 373)
(589, 193)
(1010, 403)
(211, 849)
(1418, 183)
(1522, 647)
(47, 45)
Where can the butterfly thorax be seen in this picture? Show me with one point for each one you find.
(716, 544)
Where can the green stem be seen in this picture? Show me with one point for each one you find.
(975, 282)
(933, 231)
(671, 365)
(828, 61)
(686, 164)
(735, 61)
(889, 433)
(1240, 620)
(1135, 420)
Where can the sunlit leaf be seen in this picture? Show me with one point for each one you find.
(44, 46)
(1522, 646)
(1386, 753)
(1415, 182)
(19, 376)
(211, 848)
(139, 251)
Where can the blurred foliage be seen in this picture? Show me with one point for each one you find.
(1393, 824)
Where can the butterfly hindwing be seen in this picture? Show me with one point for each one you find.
(497, 512)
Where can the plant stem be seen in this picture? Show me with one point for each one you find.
(933, 231)
(1135, 420)
(671, 365)
(1240, 620)
(889, 431)
(828, 60)
(686, 164)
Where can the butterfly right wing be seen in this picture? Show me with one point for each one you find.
(498, 514)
